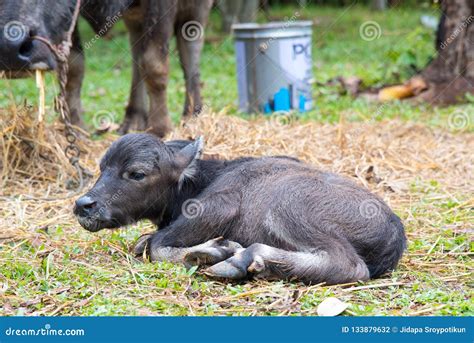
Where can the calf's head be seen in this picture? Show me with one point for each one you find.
(20, 21)
(139, 177)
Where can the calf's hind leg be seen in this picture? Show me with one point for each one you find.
(336, 263)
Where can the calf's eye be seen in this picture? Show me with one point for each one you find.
(137, 176)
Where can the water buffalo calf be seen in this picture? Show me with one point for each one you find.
(269, 216)
(151, 24)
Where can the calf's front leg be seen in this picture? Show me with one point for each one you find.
(208, 253)
(193, 240)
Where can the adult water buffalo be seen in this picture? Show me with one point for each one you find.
(151, 24)
(270, 216)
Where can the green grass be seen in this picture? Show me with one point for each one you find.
(63, 271)
(70, 272)
(338, 50)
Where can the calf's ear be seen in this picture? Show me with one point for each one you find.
(185, 160)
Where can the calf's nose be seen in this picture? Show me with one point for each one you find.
(84, 206)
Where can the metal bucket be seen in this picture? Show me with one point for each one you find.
(274, 66)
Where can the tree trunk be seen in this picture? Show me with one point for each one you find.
(451, 74)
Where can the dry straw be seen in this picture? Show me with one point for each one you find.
(384, 156)
(388, 157)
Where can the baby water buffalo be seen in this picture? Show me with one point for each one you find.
(151, 24)
(273, 217)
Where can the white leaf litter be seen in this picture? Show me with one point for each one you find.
(331, 307)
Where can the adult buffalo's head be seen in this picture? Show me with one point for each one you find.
(20, 22)
(140, 177)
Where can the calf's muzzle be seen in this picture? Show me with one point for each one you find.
(85, 206)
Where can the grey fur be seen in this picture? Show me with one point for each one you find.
(295, 222)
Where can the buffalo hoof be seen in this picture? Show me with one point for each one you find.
(211, 252)
(136, 121)
(247, 262)
(227, 270)
(142, 246)
(162, 128)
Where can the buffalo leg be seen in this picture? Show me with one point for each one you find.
(174, 241)
(190, 40)
(208, 253)
(189, 53)
(156, 62)
(136, 112)
(337, 263)
(75, 76)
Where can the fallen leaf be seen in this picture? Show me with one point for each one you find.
(331, 307)
(395, 92)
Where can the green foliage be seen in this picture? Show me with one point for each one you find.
(405, 60)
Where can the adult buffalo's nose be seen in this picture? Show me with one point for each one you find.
(84, 206)
(19, 51)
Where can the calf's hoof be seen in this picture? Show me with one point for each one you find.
(142, 246)
(211, 252)
(226, 270)
(238, 267)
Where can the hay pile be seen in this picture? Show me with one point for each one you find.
(385, 156)
(397, 160)
(33, 160)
